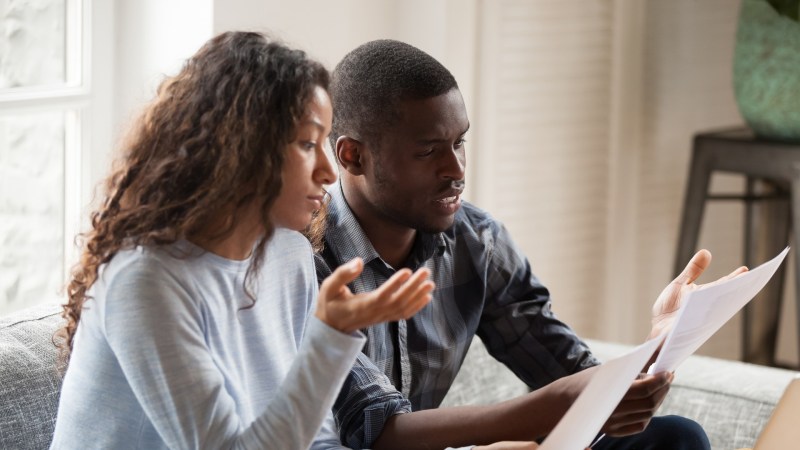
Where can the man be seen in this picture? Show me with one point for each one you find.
(399, 138)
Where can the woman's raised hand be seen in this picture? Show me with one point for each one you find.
(400, 297)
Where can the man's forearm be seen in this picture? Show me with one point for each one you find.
(524, 418)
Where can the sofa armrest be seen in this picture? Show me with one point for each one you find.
(30, 380)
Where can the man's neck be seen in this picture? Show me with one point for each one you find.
(392, 241)
(393, 247)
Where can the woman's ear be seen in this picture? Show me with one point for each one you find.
(349, 154)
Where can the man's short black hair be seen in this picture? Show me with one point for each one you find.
(370, 81)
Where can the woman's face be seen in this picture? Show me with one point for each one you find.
(306, 167)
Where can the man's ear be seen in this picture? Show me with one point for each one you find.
(350, 154)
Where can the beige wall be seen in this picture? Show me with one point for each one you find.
(582, 116)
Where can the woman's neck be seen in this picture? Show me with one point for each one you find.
(231, 236)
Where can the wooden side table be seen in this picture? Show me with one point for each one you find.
(774, 166)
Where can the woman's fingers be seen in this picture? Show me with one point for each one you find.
(395, 282)
(399, 285)
(401, 300)
(418, 300)
(333, 286)
(400, 297)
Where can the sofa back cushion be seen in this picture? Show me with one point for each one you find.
(30, 380)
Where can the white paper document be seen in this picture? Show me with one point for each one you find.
(705, 310)
(598, 399)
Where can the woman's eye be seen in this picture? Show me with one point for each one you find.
(309, 145)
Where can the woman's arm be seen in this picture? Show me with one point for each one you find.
(155, 329)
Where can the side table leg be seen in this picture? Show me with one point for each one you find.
(768, 234)
(693, 205)
(795, 202)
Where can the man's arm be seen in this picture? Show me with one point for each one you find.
(365, 404)
(518, 325)
(371, 412)
(521, 331)
(525, 418)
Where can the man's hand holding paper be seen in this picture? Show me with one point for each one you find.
(648, 391)
(639, 404)
(706, 308)
(669, 302)
(684, 316)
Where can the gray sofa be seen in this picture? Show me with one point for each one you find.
(731, 400)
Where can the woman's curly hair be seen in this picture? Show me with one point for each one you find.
(214, 132)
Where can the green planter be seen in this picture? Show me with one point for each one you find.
(766, 73)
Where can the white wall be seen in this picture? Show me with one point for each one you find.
(134, 44)
(151, 39)
(655, 84)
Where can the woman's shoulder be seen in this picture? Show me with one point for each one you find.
(289, 245)
(285, 239)
(149, 264)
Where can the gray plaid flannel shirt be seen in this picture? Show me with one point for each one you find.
(484, 286)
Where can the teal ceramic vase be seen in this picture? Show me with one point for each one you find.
(766, 74)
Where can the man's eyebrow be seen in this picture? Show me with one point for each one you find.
(438, 140)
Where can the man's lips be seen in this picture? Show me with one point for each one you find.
(448, 200)
(449, 196)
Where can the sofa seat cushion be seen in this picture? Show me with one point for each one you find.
(30, 380)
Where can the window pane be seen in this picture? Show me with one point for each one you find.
(31, 208)
(32, 43)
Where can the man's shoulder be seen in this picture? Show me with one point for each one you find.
(472, 218)
(470, 210)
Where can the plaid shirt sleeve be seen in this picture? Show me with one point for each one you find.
(366, 402)
(367, 399)
(517, 324)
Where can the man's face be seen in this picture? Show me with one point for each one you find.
(417, 168)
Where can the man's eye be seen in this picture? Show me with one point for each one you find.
(460, 143)
(426, 153)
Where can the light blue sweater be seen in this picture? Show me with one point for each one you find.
(165, 356)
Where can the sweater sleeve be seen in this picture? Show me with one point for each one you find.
(328, 436)
(156, 333)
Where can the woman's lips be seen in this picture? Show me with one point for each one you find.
(317, 201)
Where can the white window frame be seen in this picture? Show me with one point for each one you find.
(86, 116)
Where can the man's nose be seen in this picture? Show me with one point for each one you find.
(453, 166)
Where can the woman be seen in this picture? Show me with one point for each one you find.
(186, 312)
